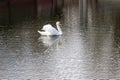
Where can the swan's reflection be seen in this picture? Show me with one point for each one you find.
(50, 40)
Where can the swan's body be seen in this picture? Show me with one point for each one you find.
(50, 30)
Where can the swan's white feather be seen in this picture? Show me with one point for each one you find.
(50, 29)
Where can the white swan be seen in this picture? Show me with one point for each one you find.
(50, 30)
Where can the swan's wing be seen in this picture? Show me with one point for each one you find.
(49, 28)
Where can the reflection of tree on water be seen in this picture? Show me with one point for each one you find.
(88, 11)
(49, 40)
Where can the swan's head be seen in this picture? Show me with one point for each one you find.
(58, 23)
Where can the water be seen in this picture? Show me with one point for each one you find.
(85, 51)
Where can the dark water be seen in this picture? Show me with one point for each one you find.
(89, 48)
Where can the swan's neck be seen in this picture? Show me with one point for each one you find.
(59, 29)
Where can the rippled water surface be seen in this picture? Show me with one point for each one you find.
(85, 51)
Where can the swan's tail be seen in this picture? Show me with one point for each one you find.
(41, 32)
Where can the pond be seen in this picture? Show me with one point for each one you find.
(88, 49)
